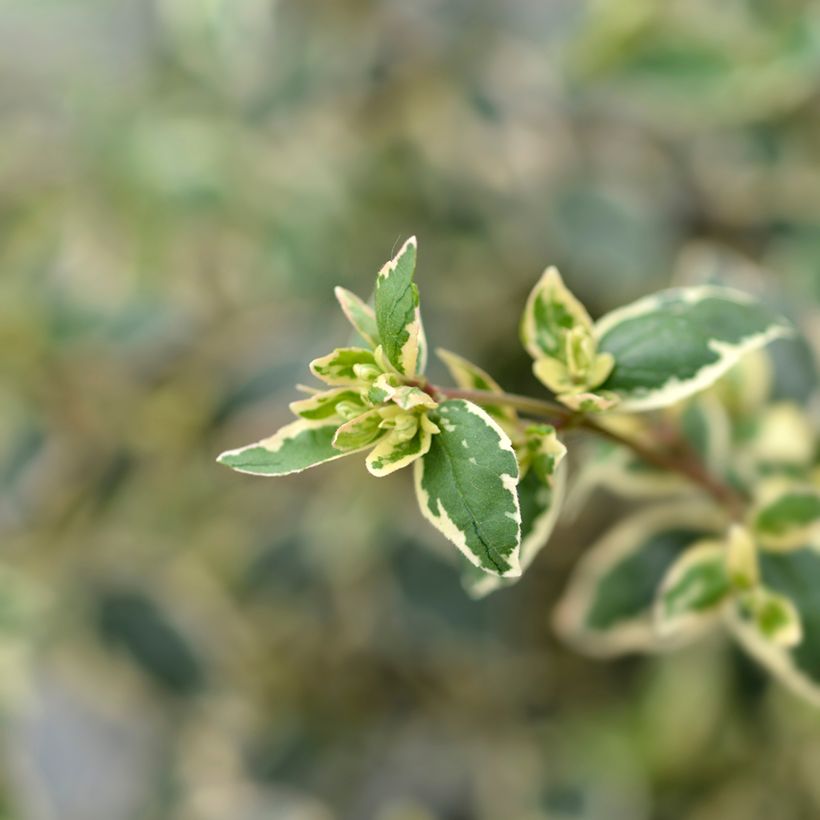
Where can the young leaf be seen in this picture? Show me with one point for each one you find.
(587, 402)
(397, 312)
(550, 314)
(775, 616)
(542, 452)
(678, 342)
(796, 577)
(345, 365)
(324, 405)
(607, 609)
(469, 376)
(294, 448)
(396, 450)
(741, 559)
(360, 315)
(788, 521)
(360, 432)
(388, 388)
(466, 487)
(540, 507)
(694, 589)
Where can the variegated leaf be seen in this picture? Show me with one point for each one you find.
(607, 608)
(550, 314)
(466, 487)
(294, 448)
(360, 315)
(396, 450)
(587, 402)
(788, 520)
(774, 616)
(540, 508)
(388, 388)
(469, 376)
(397, 313)
(324, 405)
(741, 559)
(693, 590)
(345, 366)
(360, 432)
(796, 577)
(675, 343)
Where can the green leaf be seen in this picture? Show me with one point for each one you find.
(401, 447)
(466, 487)
(550, 314)
(324, 405)
(360, 315)
(540, 505)
(469, 376)
(788, 521)
(292, 449)
(607, 608)
(796, 577)
(346, 365)
(673, 344)
(397, 312)
(693, 589)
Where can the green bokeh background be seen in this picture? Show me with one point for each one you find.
(182, 182)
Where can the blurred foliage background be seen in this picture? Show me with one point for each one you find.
(182, 182)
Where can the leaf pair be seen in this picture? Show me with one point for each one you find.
(650, 354)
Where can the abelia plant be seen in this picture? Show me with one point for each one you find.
(732, 537)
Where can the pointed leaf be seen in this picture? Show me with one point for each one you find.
(675, 343)
(550, 314)
(294, 448)
(360, 315)
(397, 312)
(466, 487)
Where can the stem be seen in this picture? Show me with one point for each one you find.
(688, 465)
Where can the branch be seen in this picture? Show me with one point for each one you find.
(688, 465)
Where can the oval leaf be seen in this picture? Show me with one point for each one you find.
(673, 344)
(466, 487)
